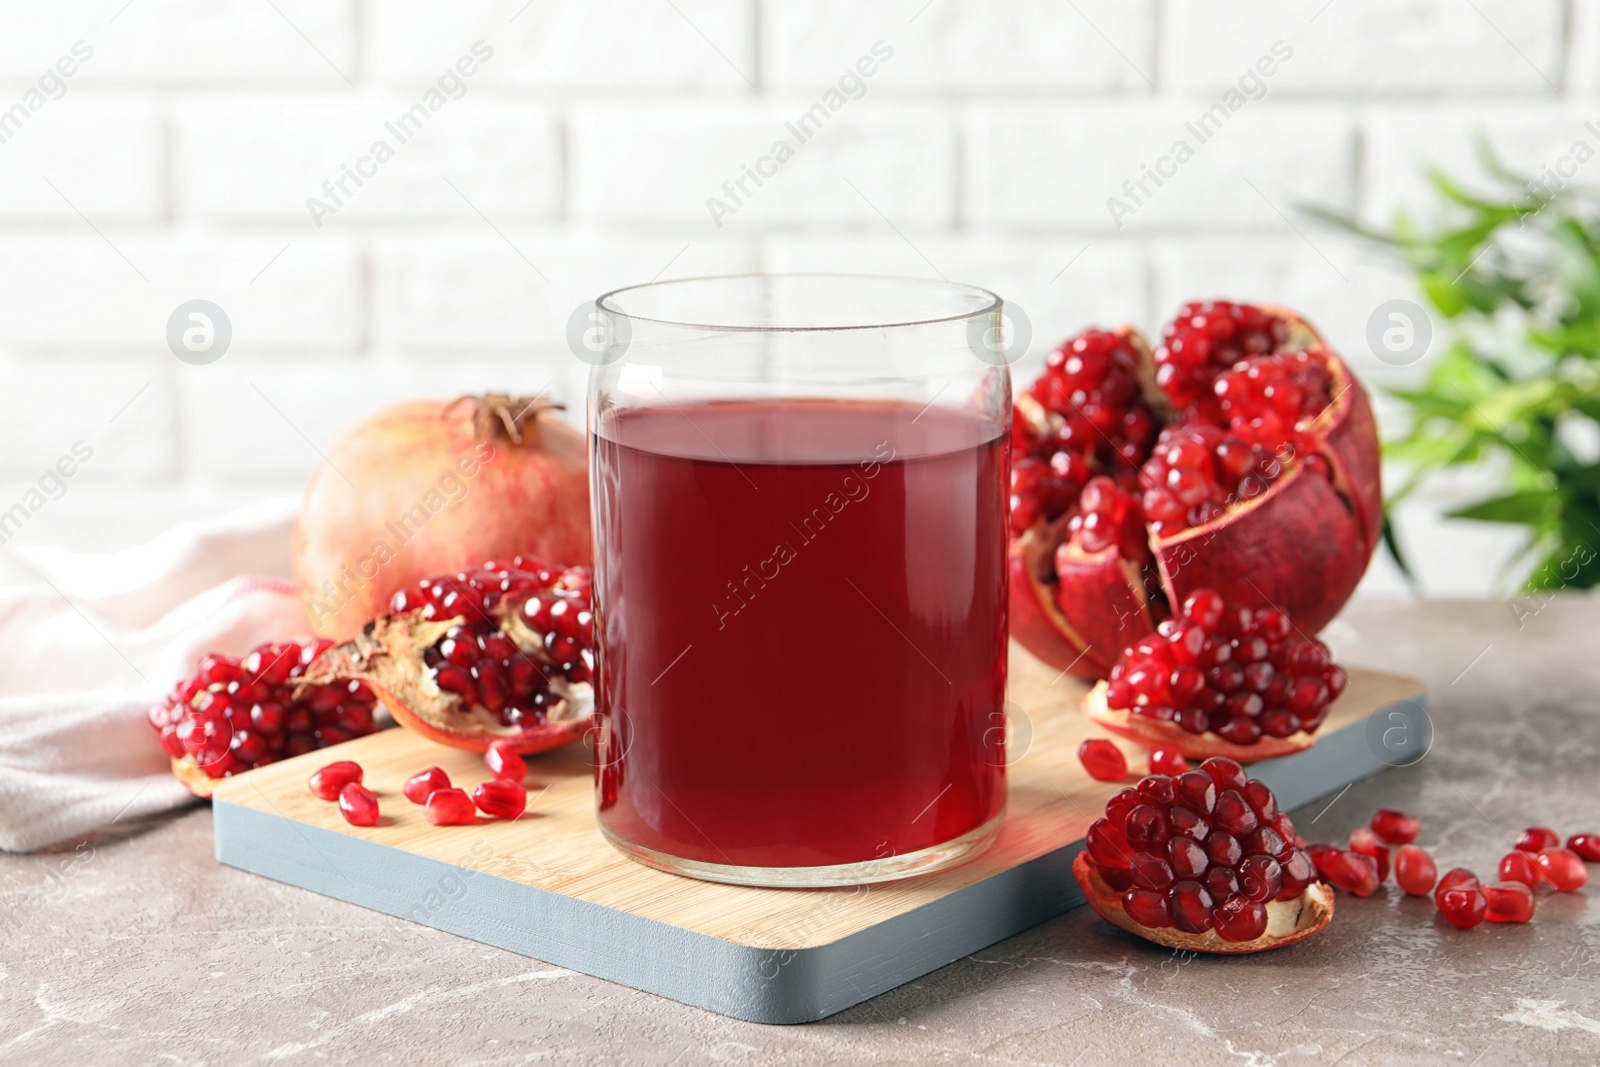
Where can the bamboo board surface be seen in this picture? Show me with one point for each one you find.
(556, 848)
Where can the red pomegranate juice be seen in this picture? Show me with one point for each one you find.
(801, 629)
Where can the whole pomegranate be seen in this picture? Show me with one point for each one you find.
(427, 488)
(1240, 456)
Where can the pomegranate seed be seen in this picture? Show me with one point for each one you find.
(358, 805)
(1518, 866)
(421, 786)
(450, 807)
(1147, 907)
(1396, 827)
(1366, 842)
(500, 799)
(1586, 845)
(1167, 760)
(1464, 906)
(1240, 919)
(1562, 868)
(1414, 870)
(504, 762)
(1455, 878)
(1190, 905)
(1350, 871)
(327, 782)
(1535, 838)
(1508, 902)
(1103, 760)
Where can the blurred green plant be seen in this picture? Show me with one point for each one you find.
(1515, 276)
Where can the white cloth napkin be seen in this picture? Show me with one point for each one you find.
(89, 642)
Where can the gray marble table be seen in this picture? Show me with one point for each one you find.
(138, 949)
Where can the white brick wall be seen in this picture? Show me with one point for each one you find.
(177, 160)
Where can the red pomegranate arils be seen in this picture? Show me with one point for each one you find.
(503, 762)
(1167, 760)
(327, 782)
(1414, 870)
(1350, 871)
(1464, 906)
(1562, 868)
(1518, 866)
(450, 807)
(419, 787)
(1103, 760)
(500, 799)
(1201, 861)
(1396, 827)
(1587, 846)
(1366, 842)
(1245, 676)
(235, 714)
(1508, 902)
(358, 805)
(1455, 878)
(1535, 838)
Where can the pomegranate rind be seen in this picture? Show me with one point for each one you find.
(1288, 921)
(1302, 546)
(387, 655)
(1153, 734)
(1037, 624)
(194, 779)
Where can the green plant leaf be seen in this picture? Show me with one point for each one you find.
(1527, 509)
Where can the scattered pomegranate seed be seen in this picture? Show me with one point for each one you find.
(1366, 842)
(1586, 846)
(450, 807)
(421, 786)
(327, 782)
(1103, 760)
(1351, 871)
(503, 762)
(1167, 760)
(1464, 906)
(1455, 878)
(1562, 867)
(1519, 867)
(1508, 902)
(1414, 870)
(1535, 838)
(1396, 827)
(500, 799)
(358, 805)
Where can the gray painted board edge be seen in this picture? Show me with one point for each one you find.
(746, 982)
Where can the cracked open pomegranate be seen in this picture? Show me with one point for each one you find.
(1219, 680)
(501, 653)
(1205, 862)
(235, 714)
(1240, 456)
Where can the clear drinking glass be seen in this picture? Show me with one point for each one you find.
(799, 488)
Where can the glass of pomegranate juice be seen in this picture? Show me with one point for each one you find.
(799, 487)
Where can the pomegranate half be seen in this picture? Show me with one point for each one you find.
(1240, 456)
(499, 653)
(1204, 862)
(430, 487)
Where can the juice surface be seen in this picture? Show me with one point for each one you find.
(801, 628)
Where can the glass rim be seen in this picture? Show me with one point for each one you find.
(994, 302)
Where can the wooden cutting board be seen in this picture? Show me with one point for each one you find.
(548, 885)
